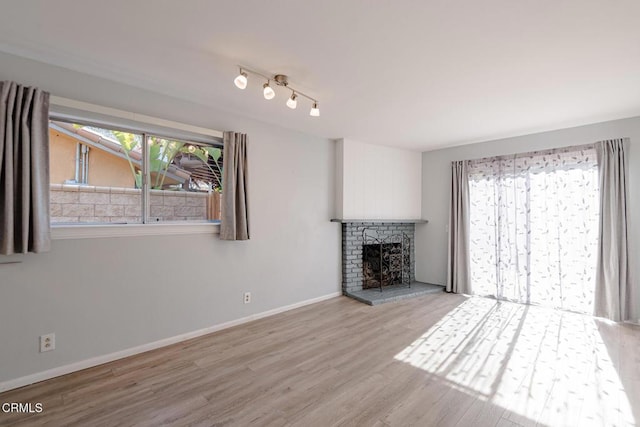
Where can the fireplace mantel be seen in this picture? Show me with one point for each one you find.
(381, 221)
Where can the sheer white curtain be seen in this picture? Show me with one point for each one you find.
(533, 234)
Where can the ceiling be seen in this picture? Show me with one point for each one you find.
(417, 74)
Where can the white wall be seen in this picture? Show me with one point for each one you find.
(105, 295)
(376, 182)
(431, 239)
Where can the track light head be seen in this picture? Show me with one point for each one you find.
(315, 111)
(267, 91)
(293, 101)
(241, 80)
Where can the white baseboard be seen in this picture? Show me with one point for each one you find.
(99, 360)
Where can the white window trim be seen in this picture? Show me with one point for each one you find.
(92, 231)
(140, 118)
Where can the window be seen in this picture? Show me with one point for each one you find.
(104, 175)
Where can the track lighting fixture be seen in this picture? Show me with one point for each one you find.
(292, 102)
(241, 80)
(267, 91)
(281, 80)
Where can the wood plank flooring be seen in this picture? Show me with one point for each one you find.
(437, 360)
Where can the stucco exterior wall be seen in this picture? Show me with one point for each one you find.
(105, 169)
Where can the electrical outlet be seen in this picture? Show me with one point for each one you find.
(47, 342)
(247, 297)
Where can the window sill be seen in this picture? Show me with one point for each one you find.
(92, 231)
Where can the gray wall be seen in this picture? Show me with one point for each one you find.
(105, 295)
(431, 239)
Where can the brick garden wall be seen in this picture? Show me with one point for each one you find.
(84, 203)
(352, 240)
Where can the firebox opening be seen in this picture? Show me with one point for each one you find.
(382, 265)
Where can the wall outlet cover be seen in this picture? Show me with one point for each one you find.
(47, 342)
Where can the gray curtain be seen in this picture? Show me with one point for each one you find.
(458, 265)
(24, 169)
(235, 209)
(613, 298)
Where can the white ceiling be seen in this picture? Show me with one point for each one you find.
(417, 74)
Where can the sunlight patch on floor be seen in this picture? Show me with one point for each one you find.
(545, 365)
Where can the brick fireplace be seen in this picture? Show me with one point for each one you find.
(359, 239)
(383, 187)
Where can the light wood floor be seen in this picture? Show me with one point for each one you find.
(435, 360)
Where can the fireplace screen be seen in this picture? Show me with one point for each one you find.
(385, 261)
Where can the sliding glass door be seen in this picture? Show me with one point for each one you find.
(534, 228)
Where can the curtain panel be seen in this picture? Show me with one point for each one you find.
(531, 224)
(24, 169)
(614, 294)
(534, 221)
(235, 204)
(458, 274)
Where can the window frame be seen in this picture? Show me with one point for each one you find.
(65, 110)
